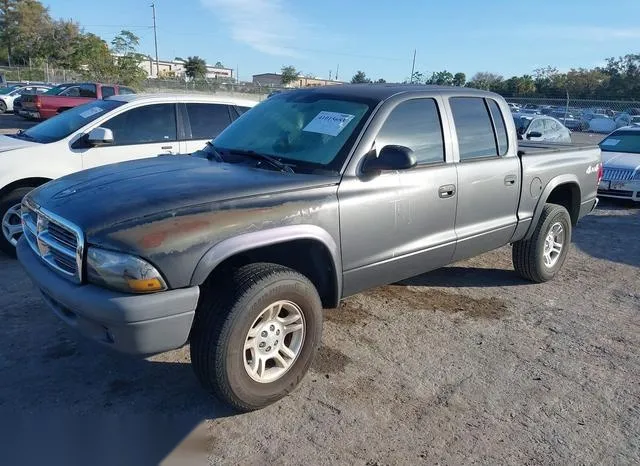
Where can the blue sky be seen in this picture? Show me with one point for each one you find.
(378, 37)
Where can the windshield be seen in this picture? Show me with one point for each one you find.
(622, 141)
(58, 89)
(299, 128)
(62, 125)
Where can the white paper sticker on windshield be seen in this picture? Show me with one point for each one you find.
(610, 142)
(91, 111)
(331, 123)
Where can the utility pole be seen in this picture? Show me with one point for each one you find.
(337, 69)
(330, 74)
(155, 38)
(413, 66)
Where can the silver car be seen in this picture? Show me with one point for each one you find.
(541, 128)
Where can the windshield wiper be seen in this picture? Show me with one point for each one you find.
(264, 158)
(212, 153)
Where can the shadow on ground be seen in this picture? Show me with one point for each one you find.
(466, 277)
(611, 233)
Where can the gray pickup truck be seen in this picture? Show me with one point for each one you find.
(311, 196)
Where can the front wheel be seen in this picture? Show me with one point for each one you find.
(540, 258)
(10, 208)
(3, 106)
(256, 334)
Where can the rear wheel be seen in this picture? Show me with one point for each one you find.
(540, 258)
(256, 334)
(10, 206)
(3, 106)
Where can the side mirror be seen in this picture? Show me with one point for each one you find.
(390, 158)
(534, 134)
(99, 137)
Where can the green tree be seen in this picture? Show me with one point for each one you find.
(219, 65)
(417, 78)
(288, 74)
(441, 78)
(359, 78)
(381, 81)
(195, 67)
(486, 80)
(459, 79)
(8, 26)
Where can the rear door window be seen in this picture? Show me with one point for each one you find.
(474, 128)
(207, 120)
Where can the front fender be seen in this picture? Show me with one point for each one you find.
(248, 241)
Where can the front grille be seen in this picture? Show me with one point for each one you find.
(618, 174)
(59, 243)
(613, 192)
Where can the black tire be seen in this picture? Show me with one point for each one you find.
(8, 201)
(3, 107)
(528, 255)
(226, 312)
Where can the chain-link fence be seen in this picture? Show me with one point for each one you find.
(211, 86)
(601, 116)
(38, 74)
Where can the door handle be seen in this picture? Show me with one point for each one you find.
(167, 148)
(510, 180)
(448, 190)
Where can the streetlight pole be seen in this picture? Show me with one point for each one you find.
(155, 38)
(413, 66)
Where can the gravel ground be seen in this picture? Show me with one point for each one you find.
(463, 365)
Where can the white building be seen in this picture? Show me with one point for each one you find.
(175, 69)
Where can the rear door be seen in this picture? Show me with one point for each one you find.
(488, 171)
(203, 122)
(140, 132)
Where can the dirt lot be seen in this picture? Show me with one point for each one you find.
(468, 364)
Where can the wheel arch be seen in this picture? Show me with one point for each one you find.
(307, 249)
(23, 183)
(563, 190)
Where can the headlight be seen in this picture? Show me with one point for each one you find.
(122, 272)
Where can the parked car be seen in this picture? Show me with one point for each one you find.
(626, 119)
(540, 128)
(9, 88)
(124, 127)
(621, 164)
(28, 102)
(601, 124)
(299, 203)
(571, 120)
(6, 100)
(514, 107)
(48, 105)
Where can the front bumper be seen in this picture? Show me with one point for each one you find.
(629, 189)
(136, 324)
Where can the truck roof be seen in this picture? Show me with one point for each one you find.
(382, 92)
(173, 97)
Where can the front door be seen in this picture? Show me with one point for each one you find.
(488, 177)
(399, 224)
(146, 131)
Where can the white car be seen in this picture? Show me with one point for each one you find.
(6, 100)
(540, 128)
(120, 128)
(621, 164)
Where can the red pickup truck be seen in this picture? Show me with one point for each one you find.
(46, 105)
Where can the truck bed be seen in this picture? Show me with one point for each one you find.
(540, 148)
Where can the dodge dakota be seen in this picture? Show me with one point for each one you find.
(311, 196)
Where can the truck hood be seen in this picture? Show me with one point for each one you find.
(621, 160)
(9, 143)
(104, 197)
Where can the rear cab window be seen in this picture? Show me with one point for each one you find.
(108, 91)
